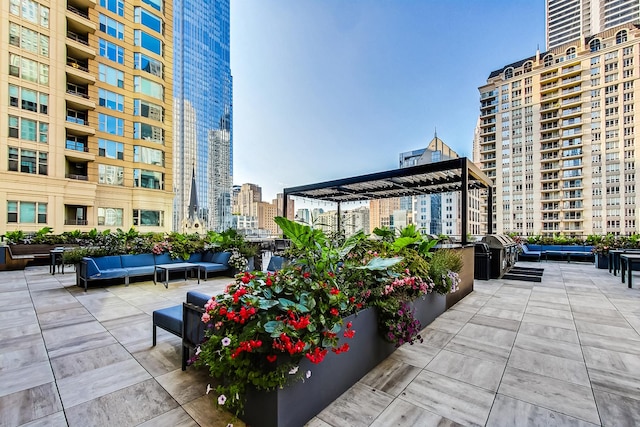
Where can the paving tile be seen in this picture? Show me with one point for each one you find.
(626, 332)
(175, 418)
(206, 413)
(54, 420)
(572, 371)
(185, 386)
(435, 338)
(88, 360)
(450, 398)
(357, 407)
(509, 325)
(549, 312)
(14, 380)
(418, 354)
(16, 317)
(30, 404)
(390, 376)
(402, 413)
(161, 359)
(317, 422)
(129, 406)
(555, 322)
(97, 382)
(549, 346)
(551, 332)
(617, 410)
(66, 316)
(18, 353)
(447, 325)
(560, 396)
(471, 370)
(509, 412)
(501, 313)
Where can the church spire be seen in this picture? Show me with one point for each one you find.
(193, 200)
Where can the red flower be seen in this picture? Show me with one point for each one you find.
(342, 349)
(334, 311)
(306, 275)
(268, 282)
(271, 358)
(349, 325)
(317, 355)
(349, 333)
(335, 291)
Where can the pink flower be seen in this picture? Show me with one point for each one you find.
(206, 317)
(226, 341)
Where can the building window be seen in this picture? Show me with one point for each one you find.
(148, 132)
(110, 175)
(111, 100)
(147, 41)
(548, 60)
(508, 73)
(28, 10)
(571, 53)
(147, 155)
(147, 87)
(148, 179)
(145, 63)
(111, 75)
(111, 27)
(148, 218)
(28, 40)
(112, 51)
(621, 37)
(110, 216)
(110, 124)
(26, 212)
(594, 45)
(28, 70)
(28, 99)
(115, 6)
(147, 109)
(110, 149)
(27, 129)
(147, 19)
(27, 161)
(156, 4)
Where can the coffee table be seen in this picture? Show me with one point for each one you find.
(176, 266)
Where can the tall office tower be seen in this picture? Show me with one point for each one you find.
(86, 115)
(568, 20)
(557, 137)
(381, 212)
(203, 111)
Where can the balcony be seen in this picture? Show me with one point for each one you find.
(78, 72)
(78, 46)
(78, 20)
(77, 177)
(77, 99)
(548, 76)
(77, 151)
(77, 123)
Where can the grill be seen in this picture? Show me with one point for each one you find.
(503, 253)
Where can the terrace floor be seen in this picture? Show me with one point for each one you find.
(562, 352)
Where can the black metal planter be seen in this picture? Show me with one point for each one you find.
(296, 404)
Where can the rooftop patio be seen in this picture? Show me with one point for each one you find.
(565, 351)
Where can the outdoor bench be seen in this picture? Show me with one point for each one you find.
(183, 321)
(127, 266)
(568, 252)
(528, 254)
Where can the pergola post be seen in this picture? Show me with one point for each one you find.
(464, 183)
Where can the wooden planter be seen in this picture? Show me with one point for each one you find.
(296, 404)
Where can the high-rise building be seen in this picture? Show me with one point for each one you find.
(569, 20)
(557, 137)
(86, 115)
(203, 111)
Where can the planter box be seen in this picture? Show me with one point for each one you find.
(602, 261)
(296, 404)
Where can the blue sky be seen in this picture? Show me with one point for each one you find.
(327, 89)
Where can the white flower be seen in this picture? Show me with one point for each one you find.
(198, 350)
(294, 370)
(226, 341)
(229, 425)
(308, 374)
(209, 388)
(221, 399)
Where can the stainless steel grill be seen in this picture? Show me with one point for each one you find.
(503, 253)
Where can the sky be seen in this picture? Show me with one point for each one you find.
(329, 89)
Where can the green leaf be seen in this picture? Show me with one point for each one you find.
(266, 304)
(403, 242)
(286, 304)
(380, 263)
(273, 326)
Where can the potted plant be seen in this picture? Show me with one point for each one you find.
(282, 346)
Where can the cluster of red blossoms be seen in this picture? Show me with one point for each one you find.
(317, 355)
(285, 343)
(247, 346)
(298, 323)
(241, 316)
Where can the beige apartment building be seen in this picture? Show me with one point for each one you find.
(86, 114)
(557, 135)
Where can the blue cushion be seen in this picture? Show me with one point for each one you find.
(197, 257)
(108, 262)
(197, 298)
(143, 270)
(212, 266)
(92, 268)
(206, 257)
(141, 260)
(169, 318)
(164, 258)
(221, 257)
(275, 263)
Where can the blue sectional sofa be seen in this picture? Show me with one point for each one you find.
(127, 266)
(568, 252)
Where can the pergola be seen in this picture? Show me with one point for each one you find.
(456, 175)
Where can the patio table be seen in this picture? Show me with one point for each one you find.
(176, 266)
(626, 266)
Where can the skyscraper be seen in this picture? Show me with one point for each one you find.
(557, 137)
(203, 111)
(568, 20)
(86, 115)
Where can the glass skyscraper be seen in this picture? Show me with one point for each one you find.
(203, 112)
